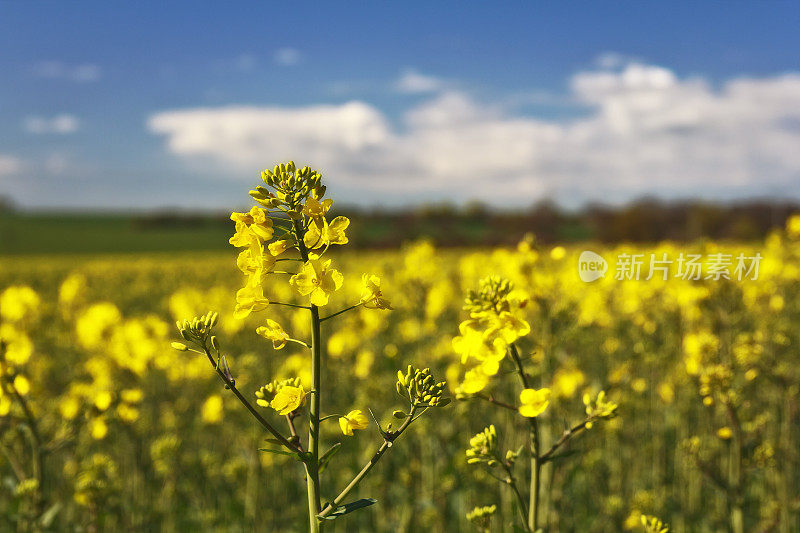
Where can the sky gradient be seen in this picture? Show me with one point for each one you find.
(109, 105)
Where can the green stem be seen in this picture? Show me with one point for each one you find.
(568, 434)
(491, 399)
(523, 507)
(261, 420)
(387, 443)
(290, 305)
(735, 471)
(340, 312)
(536, 462)
(312, 461)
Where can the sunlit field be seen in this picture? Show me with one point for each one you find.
(105, 427)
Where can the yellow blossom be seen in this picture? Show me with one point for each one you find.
(475, 380)
(315, 210)
(18, 303)
(371, 295)
(253, 225)
(22, 385)
(274, 332)
(474, 344)
(288, 399)
(278, 247)
(102, 400)
(558, 253)
(567, 381)
(127, 413)
(355, 419)
(98, 429)
(69, 407)
(507, 327)
(793, 226)
(534, 402)
(317, 280)
(328, 233)
(249, 299)
(131, 395)
(211, 411)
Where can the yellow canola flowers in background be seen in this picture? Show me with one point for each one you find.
(703, 374)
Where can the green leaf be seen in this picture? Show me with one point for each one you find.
(350, 507)
(327, 456)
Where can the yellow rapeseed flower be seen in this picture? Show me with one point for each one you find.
(288, 398)
(534, 402)
(98, 429)
(315, 210)
(793, 226)
(371, 295)
(254, 224)
(102, 400)
(355, 419)
(211, 411)
(475, 380)
(249, 299)
(274, 332)
(22, 385)
(317, 280)
(69, 406)
(18, 303)
(328, 233)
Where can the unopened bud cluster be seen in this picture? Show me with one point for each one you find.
(291, 185)
(197, 330)
(483, 447)
(492, 295)
(420, 389)
(479, 514)
(652, 524)
(599, 408)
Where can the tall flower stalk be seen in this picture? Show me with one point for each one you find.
(291, 226)
(493, 331)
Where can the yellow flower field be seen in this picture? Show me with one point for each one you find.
(104, 425)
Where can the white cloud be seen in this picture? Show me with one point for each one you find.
(287, 57)
(60, 124)
(244, 136)
(646, 131)
(9, 165)
(78, 73)
(413, 82)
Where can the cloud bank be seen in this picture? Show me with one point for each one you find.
(643, 130)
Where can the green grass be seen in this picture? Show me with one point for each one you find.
(58, 234)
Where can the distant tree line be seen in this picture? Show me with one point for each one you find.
(642, 221)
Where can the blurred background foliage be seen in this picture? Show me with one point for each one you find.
(643, 221)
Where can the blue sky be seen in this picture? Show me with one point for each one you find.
(143, 105)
